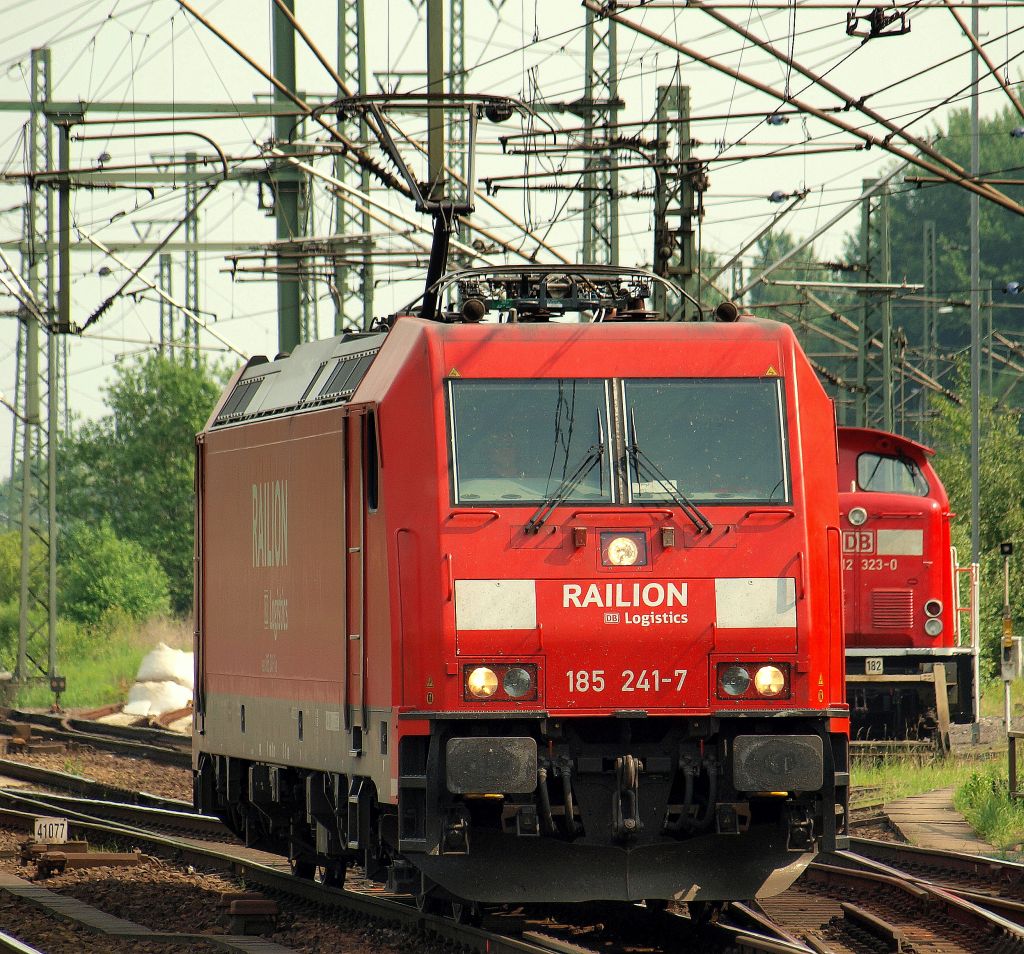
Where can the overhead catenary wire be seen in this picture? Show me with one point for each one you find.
(884, 142)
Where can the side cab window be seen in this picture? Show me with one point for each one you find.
(371, 462)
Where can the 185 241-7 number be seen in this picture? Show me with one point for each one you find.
(646, 680)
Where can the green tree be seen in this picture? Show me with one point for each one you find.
(133, 468)
(947, 205)
(100, 572)
(1001, 504)
(802, 267)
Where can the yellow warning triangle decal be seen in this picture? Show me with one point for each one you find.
(771, 372)
(821, 680)
(454, 373)
(430, 682)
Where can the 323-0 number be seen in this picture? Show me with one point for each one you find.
(592, 680)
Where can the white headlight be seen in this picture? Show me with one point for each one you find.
(933, 626)
(770, 681)
(517, 682)
(482, 683)
(735, 680)
(623, 552)
(857, 516)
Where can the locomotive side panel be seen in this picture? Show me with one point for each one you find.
(274, 610)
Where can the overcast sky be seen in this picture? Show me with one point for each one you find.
(126, 52)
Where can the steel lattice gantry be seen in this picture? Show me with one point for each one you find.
(674, 193)
(190, 330)
(875, 370)
(353, 283)
(37, 395)
(601, 182)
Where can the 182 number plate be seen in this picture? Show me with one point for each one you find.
(874, 666)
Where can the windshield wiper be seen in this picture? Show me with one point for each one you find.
(567, 486)
(684, 503)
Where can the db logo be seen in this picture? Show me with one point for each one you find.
(858, 541)
(611, 617)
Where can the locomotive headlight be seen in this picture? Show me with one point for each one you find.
(857, 516)
(623, 549)
(933, 626)
(734, 681)
(770, 681)
(933, 608)
(482, 683)
(517, 682)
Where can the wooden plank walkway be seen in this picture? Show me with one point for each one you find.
(931, 821)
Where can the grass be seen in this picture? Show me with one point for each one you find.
(992, 698)
(100, 664)
(903, 775)
(984, 800)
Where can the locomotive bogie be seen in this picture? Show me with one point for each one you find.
(482, 607)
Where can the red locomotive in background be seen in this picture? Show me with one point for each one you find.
(521, 609)
(900, 590)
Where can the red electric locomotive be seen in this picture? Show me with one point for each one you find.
(901, 592)
(519, 609)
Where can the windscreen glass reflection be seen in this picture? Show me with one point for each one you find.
(717, 440)
(519, 440)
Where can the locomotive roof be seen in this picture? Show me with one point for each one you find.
(316, 374)
(870, 436)
(325, 373)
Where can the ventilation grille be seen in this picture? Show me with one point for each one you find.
(236, 406)
(346, 376)
(892, 609)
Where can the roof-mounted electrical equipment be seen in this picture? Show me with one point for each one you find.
(880, 22)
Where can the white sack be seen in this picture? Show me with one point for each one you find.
(164, 664)
(156, 698)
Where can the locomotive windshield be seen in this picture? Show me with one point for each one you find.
(519, 440)
(715, 440)
(890, 475)
(706, 440)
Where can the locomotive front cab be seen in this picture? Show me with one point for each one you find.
(901, 600)
(640, 618)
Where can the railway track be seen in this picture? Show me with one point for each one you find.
(157, 745)
(613, 929)
(858, 905)
(90, 788)
(991, 883)
(878, 896)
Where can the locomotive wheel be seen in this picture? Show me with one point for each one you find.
(332, 875)
(704, 912)
(428, 900)
(466, 912)
(302, 868)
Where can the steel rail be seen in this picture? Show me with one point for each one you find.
(964, 181)
(154, 753)
(11, 945)
(402, 914)
(65, 781)
(101, 808)
(860, 864)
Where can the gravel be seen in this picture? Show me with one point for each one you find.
(166, 897)
(167, 781)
